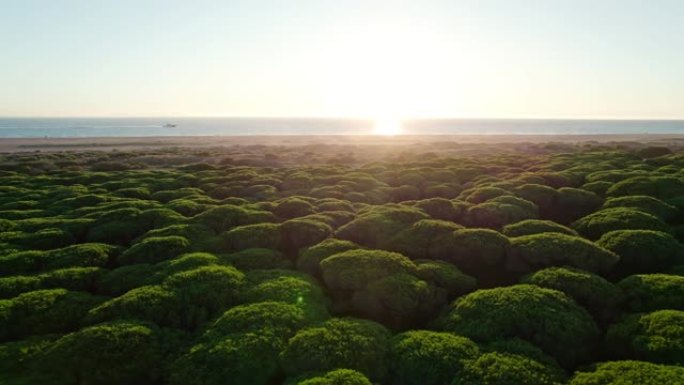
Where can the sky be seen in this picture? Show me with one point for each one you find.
(620, 59)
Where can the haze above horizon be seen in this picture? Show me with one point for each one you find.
(411, 59)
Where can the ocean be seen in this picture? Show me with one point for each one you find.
(140, 127)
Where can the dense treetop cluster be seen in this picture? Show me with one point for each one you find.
(538, 264)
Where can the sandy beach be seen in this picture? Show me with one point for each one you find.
(8, 145)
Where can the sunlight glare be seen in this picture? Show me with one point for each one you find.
(387, 127)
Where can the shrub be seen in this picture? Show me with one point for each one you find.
(84, 255)
(653, 151)
(533, 252)
(133, 192)
(600, 297)
(225, 217)
(496, 215)
(20, 361)
(75, 278)
(572, 203)
(332, 204)
(310, 259)
(94, 355)
(15, 285)
(155, 249)
(277, 318)
(354, 269)
(661, 187)
(535, 226)
(629, 372)
(657, 337)
(543, 196)
(593, 226)
(398, 301)
(375, 227)
(125, 278)
(642, 251)
(208, 288)
(503, 369)
(256, 258)
(429, 358)
(333, 377)
(644, 203)
(648, 292)
(478, 252)
(44, 311)
(169, 195)
(439, 208)
(483, 194)
(339, 343)
(299, 233)
(241, 359)
(295, 290)
(417, 240)
(17, 262)
(293, 207)
(261, 235)
(446, 276)
(598, 187)
(547, 318)
(150, 303)
(186, 207)
(185, 299)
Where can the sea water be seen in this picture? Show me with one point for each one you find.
(139, 127)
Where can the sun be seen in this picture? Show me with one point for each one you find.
(387, 127)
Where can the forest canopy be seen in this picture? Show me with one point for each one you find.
(318, 264)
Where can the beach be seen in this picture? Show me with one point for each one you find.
(8, 145)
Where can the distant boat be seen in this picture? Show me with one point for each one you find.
(169, 125)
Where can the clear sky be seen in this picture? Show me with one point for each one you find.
(425, 58)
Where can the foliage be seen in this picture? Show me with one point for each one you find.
(503, 369)
(600, 297)
(334, 377)
(629, 372)
(532, 252)
(428, 357)
(593, 226)
(656, 337)
(339, 343)
(547, 318)
(648, 292)
(535, 226)
(642, 251)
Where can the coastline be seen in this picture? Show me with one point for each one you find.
(10, 145)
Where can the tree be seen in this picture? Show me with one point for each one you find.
(339, 343)
(657, 337)
(333, 377)
(547, 318)
(503, 368)
(446, 276)
(532, 252)
(642, 251)
(154, 249)
(44, 311)
(594, 293)
(354, 269)
(429, 358)
(629, 372)
(644, 203)
(310, 259)
(648, 292)
(593, 226)
(93, 355)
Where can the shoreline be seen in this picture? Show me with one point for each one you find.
(10, 145)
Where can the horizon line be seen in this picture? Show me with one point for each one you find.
(273, 117)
